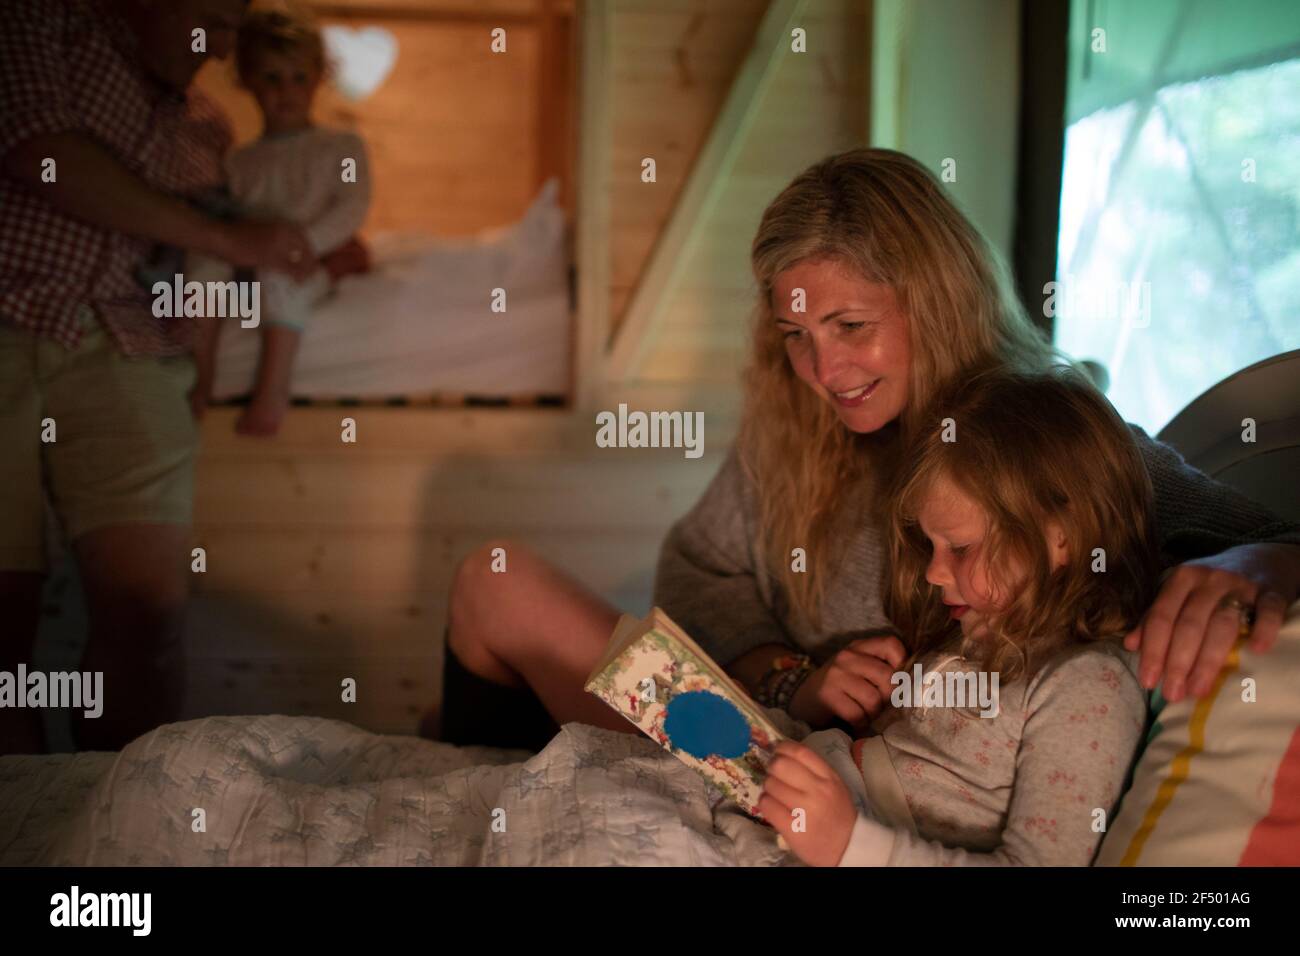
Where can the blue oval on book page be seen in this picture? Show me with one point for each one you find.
(704, 724)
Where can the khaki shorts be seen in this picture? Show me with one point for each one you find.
(124, 446)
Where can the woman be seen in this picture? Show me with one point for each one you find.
(874, 292)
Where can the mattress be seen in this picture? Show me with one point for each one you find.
(422, 321)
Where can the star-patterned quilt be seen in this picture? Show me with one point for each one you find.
(277, 790)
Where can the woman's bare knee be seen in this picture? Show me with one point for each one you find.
(511, 610)
(474, 617)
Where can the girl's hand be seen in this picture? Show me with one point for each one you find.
(854, 685)
(1188, 631)
(799, 779)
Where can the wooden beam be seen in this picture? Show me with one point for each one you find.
(705, 184)
(595, 126)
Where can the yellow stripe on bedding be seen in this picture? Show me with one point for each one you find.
(1181, 766)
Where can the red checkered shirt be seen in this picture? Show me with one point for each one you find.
(73, 65)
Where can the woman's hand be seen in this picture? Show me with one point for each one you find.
(1187, 631)
(800, 780)
(854, 685)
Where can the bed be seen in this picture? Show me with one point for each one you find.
(420, 324)
(308, 791)
(1214, 785)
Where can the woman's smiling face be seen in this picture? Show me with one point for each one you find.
(849, 343)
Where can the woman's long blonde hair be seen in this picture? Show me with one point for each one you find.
(1028, 449)
(885, 216)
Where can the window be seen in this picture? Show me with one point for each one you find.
(1179, 245)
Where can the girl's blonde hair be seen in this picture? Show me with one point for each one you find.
(285, 29)
(885, 216)
(1028, 449)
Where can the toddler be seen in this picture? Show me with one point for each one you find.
(298, 172)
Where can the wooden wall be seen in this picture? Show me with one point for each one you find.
(328, 560)
(815, 106)
(672, 64)
(460, 138)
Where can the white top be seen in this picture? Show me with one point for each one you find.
(299, 176)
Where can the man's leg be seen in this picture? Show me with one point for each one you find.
(122, 481)
(136, 582)
(21, 728)
(22, 527)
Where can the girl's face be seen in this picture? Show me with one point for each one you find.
(957, 528)
(850, 342)
(284, 85)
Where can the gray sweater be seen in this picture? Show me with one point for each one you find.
(711, 579)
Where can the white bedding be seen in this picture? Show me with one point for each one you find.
(421, 321)
(300, 790)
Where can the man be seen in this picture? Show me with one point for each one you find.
(100, 143)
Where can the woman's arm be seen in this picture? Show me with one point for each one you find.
(1221, 545)
(1197, 516)
(750, 667)
(707, 583)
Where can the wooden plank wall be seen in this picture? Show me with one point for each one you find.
(460, 138)
(328, 560)
(672, 64)
(815, 107)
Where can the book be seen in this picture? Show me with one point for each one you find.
(663, 682)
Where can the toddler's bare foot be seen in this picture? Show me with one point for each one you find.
(263, 415)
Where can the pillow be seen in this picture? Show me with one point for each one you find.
(1219, 781)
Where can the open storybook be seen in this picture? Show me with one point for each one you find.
(659, 679)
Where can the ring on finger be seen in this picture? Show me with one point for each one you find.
(1245, 612)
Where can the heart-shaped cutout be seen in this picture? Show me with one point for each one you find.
(362, 58)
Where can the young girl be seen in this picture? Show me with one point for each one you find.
(1022, 548)
(318, 178)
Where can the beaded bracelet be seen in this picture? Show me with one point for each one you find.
(783, 679)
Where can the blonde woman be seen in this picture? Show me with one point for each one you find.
(902, 298)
